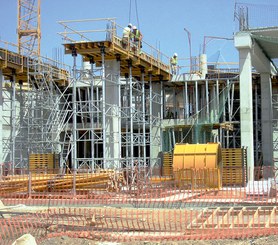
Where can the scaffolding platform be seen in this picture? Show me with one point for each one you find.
(15, 64)
(114, 51)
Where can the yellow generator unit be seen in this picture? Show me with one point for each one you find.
(198, 166)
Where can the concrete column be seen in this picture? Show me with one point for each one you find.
(155, 126)
(1, 123)
(243, 43)
(203, 66)
(113, 124)
(266, 119)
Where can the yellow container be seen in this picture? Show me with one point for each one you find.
(205, 160)
(197, 156)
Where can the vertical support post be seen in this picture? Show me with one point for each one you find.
(92, 115)
(30, 185)
(151, 118)
(231, 111)
(1, 124)
(175, 103)
(256, 123)
(186, 100)
(13, 124)
(74, 122)
(131, 114)
(207, 102)
(144, 116)
(224, 87)
(267, 119)
(126, 119)
(103, 80)
(243, 42)
(217, 100)
(161, 102)
(119, 118)
(197, 113)
(21, 115)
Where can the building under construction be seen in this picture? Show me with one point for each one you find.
(123, 129)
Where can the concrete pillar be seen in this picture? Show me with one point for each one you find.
(113, 123)
(203, 66)
(243, 43)
(266, 119)
(155, 130)
(1, 122)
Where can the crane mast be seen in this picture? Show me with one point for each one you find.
(28, 28)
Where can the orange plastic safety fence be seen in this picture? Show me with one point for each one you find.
(129, 224)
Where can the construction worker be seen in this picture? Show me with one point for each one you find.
(137, 38)
(174, 64)
(127, 35)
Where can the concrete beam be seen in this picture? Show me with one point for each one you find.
(260, 61)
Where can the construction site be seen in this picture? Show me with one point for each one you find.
(121, 149)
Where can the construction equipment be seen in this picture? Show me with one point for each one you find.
(198, 165)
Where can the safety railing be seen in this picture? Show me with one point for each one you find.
(106, 29)
(10, 57)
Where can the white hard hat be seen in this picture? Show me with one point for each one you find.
(134, 27)
(130, 25)
(175, 54)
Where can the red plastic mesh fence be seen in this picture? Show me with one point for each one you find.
(129, 224)
(129, 206)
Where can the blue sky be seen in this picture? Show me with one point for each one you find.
(162, 22)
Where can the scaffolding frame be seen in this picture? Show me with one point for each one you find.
(210, 103)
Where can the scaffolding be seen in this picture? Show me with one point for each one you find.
(117, 101)
(119, 109)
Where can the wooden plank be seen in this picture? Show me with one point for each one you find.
(270, 217)
(224, 221)
(195, 221)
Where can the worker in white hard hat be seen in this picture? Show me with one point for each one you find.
(127, 35)
(174, 64)
(137, 38)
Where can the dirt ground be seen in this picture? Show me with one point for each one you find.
(270, 240)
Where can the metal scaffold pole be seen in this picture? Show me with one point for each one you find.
(151, 120)
(144, 118)
(13, 119)
(74, 122)
(131, 116)
(103, 80)
(119, 133)
(92, 115)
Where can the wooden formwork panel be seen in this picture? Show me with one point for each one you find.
(167, 168)
(42, 161)
(234, 162)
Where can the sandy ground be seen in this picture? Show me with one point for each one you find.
(271, 240)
